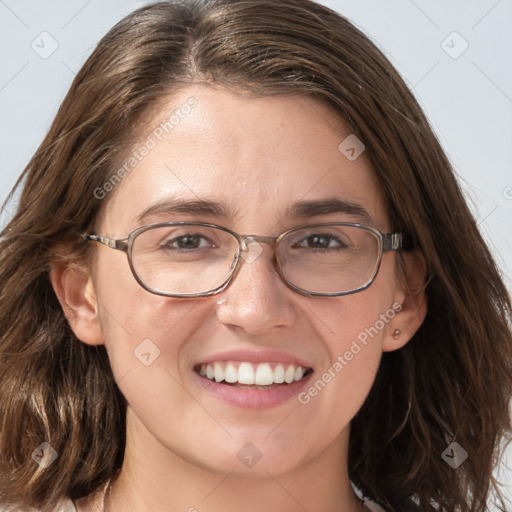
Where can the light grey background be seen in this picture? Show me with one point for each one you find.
(467, 95)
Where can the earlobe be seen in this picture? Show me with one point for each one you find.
(411, 296)
(406, 322)
(74, 289)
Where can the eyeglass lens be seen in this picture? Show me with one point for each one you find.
(193, 259)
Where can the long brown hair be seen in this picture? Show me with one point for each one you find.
(451, 382)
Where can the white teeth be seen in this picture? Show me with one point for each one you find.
(279, 374)
(264, 375)
(218, 372)
(247, 374)
(288, 375)
(231, 373)
(299, 372)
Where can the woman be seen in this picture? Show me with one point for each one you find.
(305, 305)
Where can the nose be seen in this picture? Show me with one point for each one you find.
(257, 299)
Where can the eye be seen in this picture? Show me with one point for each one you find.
(321, 241)
(188, 242)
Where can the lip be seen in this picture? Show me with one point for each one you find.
(254, 399)
(255, 357)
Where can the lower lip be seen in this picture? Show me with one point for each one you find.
(253, 398)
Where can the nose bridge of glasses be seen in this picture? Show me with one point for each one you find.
(251, 239)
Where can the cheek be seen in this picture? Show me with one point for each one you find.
(145, 329)
(354, 327)
(358, 319)
(138, 326)
(353, 340)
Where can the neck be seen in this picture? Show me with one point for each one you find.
(155, 478)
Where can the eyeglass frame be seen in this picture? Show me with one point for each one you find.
(387, 242)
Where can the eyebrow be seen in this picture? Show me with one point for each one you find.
(298, 210)
(327, 206)
(191, 207)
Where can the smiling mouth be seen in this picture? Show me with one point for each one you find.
(264, 376)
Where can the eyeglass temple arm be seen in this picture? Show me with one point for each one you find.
(113, 243)
(392, 242)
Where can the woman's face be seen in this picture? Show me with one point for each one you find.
(256, 159)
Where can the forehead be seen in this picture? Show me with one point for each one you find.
(255, 157)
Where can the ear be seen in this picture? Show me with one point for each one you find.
(75, 291)
(410, 302)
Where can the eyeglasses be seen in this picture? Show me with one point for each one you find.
(190, 259)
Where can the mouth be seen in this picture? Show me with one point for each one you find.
(245, 375)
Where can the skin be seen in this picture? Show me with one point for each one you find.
(182, 442)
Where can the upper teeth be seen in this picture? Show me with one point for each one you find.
(264, 374)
